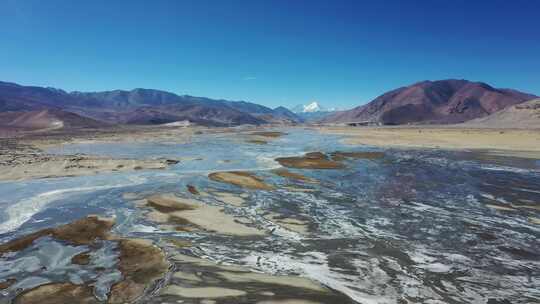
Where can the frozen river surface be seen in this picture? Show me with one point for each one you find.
(413, 226)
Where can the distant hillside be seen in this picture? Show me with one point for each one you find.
(138, 106)
(208, 115)
(525, 115)
(433, 102)
(45, 119)
(286, 114)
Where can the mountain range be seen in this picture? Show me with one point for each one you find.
(432, 102)
(427, 102)
(138, 106)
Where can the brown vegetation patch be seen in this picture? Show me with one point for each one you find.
(313, 160)
(166, 204)
(193, 190)
(81, 259)
(271, 134)
(81, 232)
(241, 179)
(85, 231)
(167, 208)
(141, 264)
(7, 283)
(55, 293)
(257, 141)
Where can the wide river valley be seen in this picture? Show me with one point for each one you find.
(396, 226)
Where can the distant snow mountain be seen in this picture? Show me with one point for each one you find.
(309, 108)
(313, 107)
(312, 111)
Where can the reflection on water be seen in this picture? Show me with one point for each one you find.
(421, 226)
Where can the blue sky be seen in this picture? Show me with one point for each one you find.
(341, 53)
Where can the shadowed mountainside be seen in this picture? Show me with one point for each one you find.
(433, 102)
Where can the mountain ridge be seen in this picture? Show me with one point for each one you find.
(432, 102)
(144, 106)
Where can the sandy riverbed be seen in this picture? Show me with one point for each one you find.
(24, 157)
(522, 143)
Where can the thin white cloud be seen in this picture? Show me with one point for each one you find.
(248, 78)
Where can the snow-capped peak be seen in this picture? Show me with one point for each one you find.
(312, 107)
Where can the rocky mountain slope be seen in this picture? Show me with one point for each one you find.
(433, 102)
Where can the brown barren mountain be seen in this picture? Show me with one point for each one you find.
(40, 120)
(433, 102)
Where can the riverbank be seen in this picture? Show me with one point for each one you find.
(25, 157)
(507, 142)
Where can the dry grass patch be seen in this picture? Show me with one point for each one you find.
(241, 179)
(167, 203)
(81, 232)
(313, 160)
(55, 293)
(271, 134)
(141, 264)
